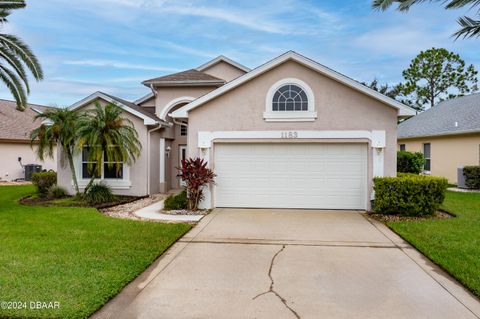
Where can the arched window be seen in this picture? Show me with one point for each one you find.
(290, 97)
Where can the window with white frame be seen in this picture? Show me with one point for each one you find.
(110, 169)
(183, 129)
(290, 99)
(427, 154)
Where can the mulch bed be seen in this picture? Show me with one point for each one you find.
(400, 218)
(120, 200)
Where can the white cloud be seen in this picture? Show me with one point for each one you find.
(119, 65)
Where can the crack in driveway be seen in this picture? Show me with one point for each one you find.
(272, 283)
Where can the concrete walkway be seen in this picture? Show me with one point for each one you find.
(256, 263)
(153, 212)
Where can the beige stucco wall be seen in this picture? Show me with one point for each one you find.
(10, 168)
(338, 108)
(148, 103)
(224, 71)
(138, 170)
(165, 95)
(447, 152)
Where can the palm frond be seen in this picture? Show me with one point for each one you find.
(15, 63)
(12, 4)
(454, 4)
(22, 50)
(469, 28)
(14, 84)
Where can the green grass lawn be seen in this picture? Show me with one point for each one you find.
(454, 243)
(75, 256)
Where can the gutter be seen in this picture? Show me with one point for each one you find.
(148, 154)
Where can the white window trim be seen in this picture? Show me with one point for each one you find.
(123, 183)
(290, 116)
(427, 172)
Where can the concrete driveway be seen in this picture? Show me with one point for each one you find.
(258, 263)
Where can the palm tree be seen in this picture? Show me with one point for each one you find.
(107, 135)
(59, 127)
(14, 56)
(469, 27)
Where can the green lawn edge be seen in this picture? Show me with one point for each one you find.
(76, 255)
(452, 244)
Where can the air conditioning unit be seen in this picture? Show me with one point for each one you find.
(461, 178)
(30, 169)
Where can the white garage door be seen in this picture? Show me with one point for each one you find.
(322, 176)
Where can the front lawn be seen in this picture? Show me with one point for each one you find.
(74, 256)
(453, 243)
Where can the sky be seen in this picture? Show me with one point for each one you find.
(112, 45)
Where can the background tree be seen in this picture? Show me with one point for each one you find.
(391, 91)
(15, 55)
(469, 27)
(59, 127)
(107, 134)
(435, 75)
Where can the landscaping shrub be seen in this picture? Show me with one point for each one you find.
(174, 202)
(408, 162)
(99, 194)
(56, 191)
(472, 176)
(43, 181)
(409, 195)
(196, 175)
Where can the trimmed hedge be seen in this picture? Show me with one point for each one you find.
(472, 176)
(43, 181)
(408, 162)
(175, 202)
(409, 195)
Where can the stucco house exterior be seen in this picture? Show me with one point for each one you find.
(15, 128)
(448, 135)
(290, 133)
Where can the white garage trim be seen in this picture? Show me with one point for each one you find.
(377, 142)
(377, 138)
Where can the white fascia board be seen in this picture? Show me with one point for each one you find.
(224, 59)
(92, 97)
(144, 98)
(403, 110)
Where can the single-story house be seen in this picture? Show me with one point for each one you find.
(290, 133)
(448, 135)
(15, 149)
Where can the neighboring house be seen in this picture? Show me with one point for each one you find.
(290, 133)
(15, 149)
(448, 135)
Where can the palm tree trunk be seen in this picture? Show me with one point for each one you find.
(72, 169)
(90, 183)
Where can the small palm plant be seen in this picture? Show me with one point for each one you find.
(107, 135)
(14, 56)
(59, 127)
(195, 173)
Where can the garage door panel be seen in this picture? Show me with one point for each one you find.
(329, 176)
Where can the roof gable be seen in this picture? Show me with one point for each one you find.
(219, 59)
(147, 117)
(404, 111)
(456, 116)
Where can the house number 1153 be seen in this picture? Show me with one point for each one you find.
(289, 134)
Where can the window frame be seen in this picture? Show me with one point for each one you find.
(114, 183)
(402, 147)
(427, 159)
(290, 116)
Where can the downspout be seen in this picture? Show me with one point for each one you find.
(148, 155)
(179, 123)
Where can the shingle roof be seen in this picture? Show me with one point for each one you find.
(455, 116)
(186, 77)
(16, 125)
